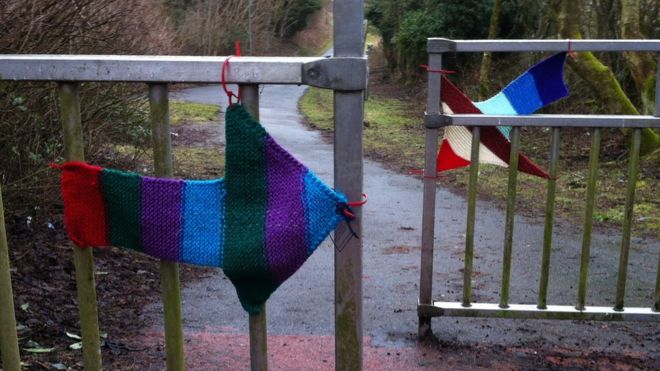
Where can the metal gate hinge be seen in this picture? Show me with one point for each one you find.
(346, 73)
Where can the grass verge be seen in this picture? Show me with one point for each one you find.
(392, 129)
(181, 111)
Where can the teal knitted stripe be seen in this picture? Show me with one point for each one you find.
(121, 192)
(245, 209)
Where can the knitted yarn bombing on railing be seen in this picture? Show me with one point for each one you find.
(259, 224)
(536, 88)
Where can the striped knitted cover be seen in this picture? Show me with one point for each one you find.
(260, 223)
(537, 87)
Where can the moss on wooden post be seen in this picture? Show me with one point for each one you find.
(169, 271)
(83, 258)
(11, 359)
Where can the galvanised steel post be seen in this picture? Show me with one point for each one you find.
(471, 213)
(429, 196)
(510, 213)
(11, 359)
(588, 218)
(169, 271)
(83, 257)
(633, 170)
(348, 121)
(549, 220)
(656, 112)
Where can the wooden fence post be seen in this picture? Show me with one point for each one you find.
(169, 271)
(11, 360)
(258, 325)
(83, 257)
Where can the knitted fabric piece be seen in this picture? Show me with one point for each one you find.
(285, 219)
(121, 192)
(491, 138)
(259, 223)
(85, 209)
(203, 219)
(245, 177)
(161, 217)
(537, 87)
(320, 204)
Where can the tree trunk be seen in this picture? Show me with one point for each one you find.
(484, 71)
(598, 76)
(641, 65)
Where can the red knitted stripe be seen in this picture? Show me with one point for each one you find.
(448, 159)
(490, 136)
(84, 209)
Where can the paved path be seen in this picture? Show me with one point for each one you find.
(392, 222)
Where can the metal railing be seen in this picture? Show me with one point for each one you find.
(345, 73)
(435, 118)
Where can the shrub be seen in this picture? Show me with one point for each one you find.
(30, 131)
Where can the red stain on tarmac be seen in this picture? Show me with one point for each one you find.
(212, 350)
(225, 348)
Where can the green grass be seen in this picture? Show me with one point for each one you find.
(181, 111)
(189, 162)
(392, 129)
(393, 134)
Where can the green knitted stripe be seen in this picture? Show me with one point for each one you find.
(121, 192)
(245, 209)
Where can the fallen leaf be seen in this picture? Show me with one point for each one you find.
(76, 346)
(39, 350)
(73, 336)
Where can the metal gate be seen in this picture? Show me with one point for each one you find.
(345, 73)
(435, 119)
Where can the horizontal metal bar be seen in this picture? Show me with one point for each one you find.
(331, 73)
(613, 121)
(530, 311)
(441, 45)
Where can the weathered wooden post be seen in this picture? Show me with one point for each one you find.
(348, 121)
(249, 94)
(11, 360)
(169, 271)
(83, 257)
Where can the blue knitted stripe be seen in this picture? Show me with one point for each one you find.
(522, 94)
(203, 219)
(498, 105)
(549, 77)
(320, 204)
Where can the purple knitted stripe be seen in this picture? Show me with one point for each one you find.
(286, 250)
(161, 217)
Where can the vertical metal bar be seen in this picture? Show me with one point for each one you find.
(633, 169)
(510, 213)
(169, 271)
(83, 258)
(656, 301)
(428, 203)
(348, 168)
(656, 112)
(472, 206)
(258, 324)
(588, 217)
(11, 358)
(549, 220)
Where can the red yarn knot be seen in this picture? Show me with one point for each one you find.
(442, 72)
